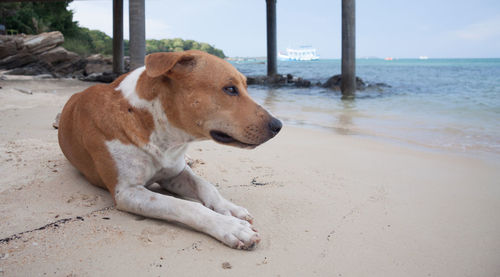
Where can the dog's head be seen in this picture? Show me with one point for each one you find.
(207, 97)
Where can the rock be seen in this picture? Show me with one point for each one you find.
(99, 58)
(38, 54)
(335, 81)
(19, 59)
(103, 77)
(37, 68)
(278, 81)
(92, 68)
(301, 83)
(40, 43)
(290, 80)
(9, 45)
(57, 55)
(17, 51)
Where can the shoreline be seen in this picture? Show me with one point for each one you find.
(415, 145)
(301, 122)
(345, 126)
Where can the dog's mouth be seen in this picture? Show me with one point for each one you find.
(224, 138)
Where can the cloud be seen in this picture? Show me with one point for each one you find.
(94, 16)
(482, 30)
(100, 17)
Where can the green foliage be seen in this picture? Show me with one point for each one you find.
(177, 44)
(89, 42)
(38, 17)
(78, 46)
(102, 43)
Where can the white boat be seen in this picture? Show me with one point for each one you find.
(423, 58)
(304, 53)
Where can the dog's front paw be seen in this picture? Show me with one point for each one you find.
(235, 232)
(226, 207)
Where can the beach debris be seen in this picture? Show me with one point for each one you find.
(50, 225)
(265, 261)
(24, 91)
(330, 235)
(189, 161)
(196, 245)
(193, 162)
(226, 265)
(256, 183)
(56, 121)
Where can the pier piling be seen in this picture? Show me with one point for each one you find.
(348, 83)
(272, 53)
(118, 36)
(137, 32)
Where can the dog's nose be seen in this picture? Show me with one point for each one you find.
(275, 126)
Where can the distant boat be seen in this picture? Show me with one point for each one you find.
(389, 58)
(423, 58)
(304, 53)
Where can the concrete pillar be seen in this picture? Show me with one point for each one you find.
(118, 36)
(272, 53)
(137, 32)
(348, 84)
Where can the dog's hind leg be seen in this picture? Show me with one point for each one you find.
(232, 231)
(188, 184)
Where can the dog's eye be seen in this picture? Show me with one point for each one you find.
(231, 90)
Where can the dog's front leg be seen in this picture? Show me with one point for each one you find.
(232, 231)
(188, 184)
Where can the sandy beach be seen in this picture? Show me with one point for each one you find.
(325, 204)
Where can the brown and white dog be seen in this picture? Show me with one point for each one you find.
(135, 131)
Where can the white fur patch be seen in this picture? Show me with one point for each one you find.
(128, 88)
(135, 167)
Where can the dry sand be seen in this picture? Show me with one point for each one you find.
(325, 205)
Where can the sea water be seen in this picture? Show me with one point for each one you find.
(444, 104)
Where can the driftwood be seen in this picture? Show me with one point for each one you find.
(24, 91)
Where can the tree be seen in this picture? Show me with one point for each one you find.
(38, 17)
(178, 44)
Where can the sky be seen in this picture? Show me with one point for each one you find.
(384, 28)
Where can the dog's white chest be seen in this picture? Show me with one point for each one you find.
(137, 166)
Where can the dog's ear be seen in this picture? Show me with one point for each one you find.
(158, 64)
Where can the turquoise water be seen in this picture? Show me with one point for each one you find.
(447, 104)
